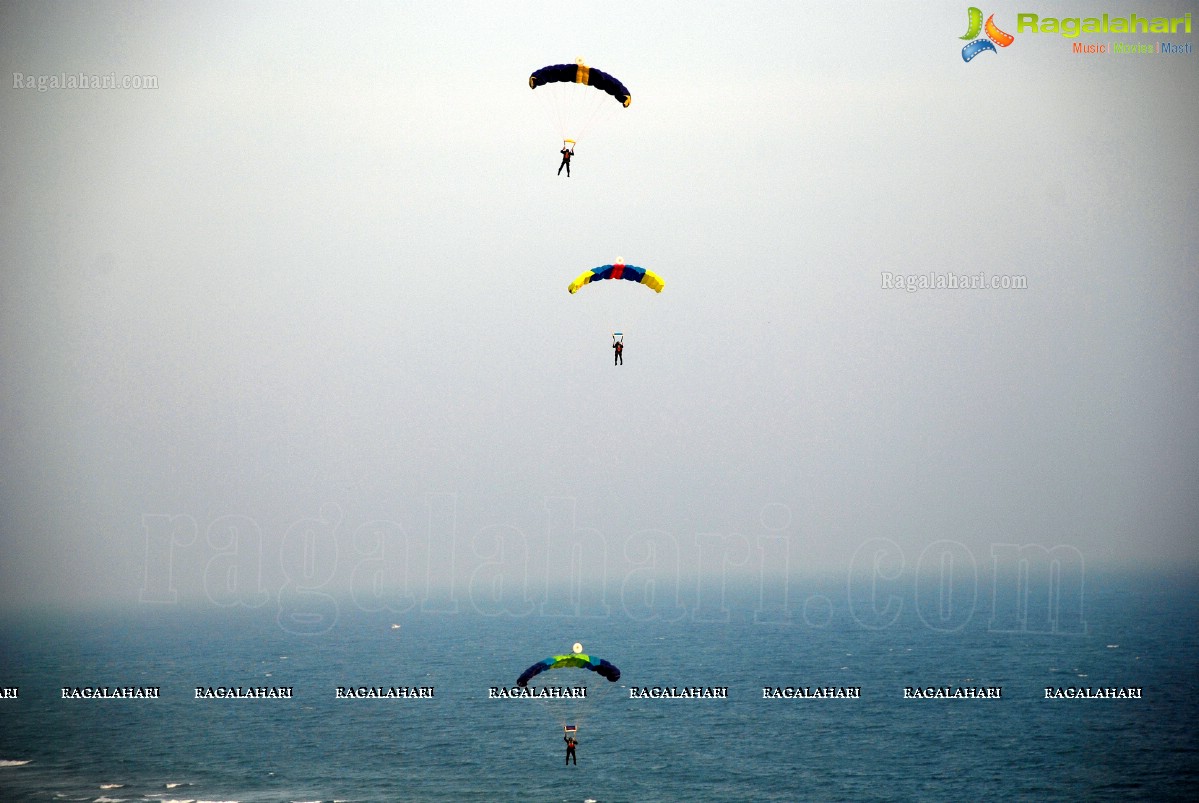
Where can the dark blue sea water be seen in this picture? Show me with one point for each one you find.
(460, 745)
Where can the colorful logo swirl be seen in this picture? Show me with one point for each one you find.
(994, 35)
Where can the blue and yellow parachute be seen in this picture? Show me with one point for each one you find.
(630, 273)
(576, 660)
(580, 73)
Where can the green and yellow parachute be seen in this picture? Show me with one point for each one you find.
(577, 660)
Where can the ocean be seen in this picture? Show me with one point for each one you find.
(914, 730)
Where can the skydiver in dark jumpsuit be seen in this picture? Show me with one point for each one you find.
(618, 348)
(566, 154)
(570, 749)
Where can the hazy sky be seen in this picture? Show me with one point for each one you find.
(311, 289)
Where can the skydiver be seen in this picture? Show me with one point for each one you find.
(566, 154)
(618, 349)
(571, 744)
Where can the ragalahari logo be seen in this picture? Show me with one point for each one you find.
(994, 35)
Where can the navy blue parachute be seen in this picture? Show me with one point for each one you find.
(580, 73)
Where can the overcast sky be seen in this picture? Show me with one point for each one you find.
(316, 278)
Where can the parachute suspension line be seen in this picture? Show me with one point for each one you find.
(559, 112)
(587, 109)
(555, 108)
(574, 109)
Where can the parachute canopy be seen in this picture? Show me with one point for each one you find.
(594, 663)
(580, 73)
(630, 273)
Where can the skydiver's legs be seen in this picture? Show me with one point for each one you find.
(566, 164)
